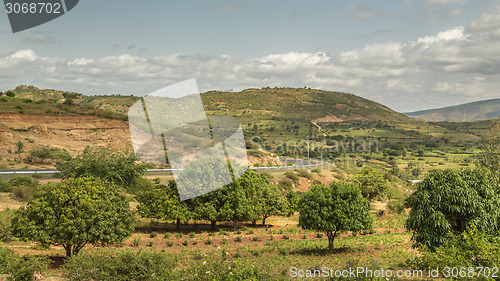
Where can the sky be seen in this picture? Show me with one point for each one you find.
(408, 55)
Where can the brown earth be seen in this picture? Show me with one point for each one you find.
(70, 132)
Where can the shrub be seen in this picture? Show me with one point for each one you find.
(292, 176)
(192, 235)
(136, 242)
(21, 268)
(255, 238)
(397, 207)
(286, 236)
(286, 184)
(209, 241)
(120, 265)
(218, 268)
(185, 243)
(23, 192)
(5, 227)
(304, 173)
(239, 238)
(250, 231)
(472, 248)
(5, 187)
(153, 234)
(170, 243)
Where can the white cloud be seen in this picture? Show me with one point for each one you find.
(489, 21)
(463, 63)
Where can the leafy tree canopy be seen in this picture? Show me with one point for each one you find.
(334, 209)
(120, 168)
(372, 182)
(449, 201)
(73, 213)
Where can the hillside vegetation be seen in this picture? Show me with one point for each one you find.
(474, 111)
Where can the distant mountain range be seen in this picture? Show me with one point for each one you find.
(473, 111)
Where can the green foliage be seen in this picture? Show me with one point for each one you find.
(304, 173)
(162, 202)
(396, 206)
(73, 213)
(5, 227)
(119, 168)
(334, 209)
(449, 201)
(41, 154)
(291, 175)
(285, 184)
(251, 197)
(471, 248)
(120, 265)
(490, 158)
(19, 147)
(22, 187)
(372, 182)
(220, 268)
(21, 268)
(292, 200)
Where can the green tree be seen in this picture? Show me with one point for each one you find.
(120, 168)
(162, 202)
(404, 153)
(292, 201)
(449, 201)
(41, 154)
(334, 209)
(372, 182)
(490, 158)
(19, 147)
(273, 203)
(10, 94)
(263, 199)
(73, 213)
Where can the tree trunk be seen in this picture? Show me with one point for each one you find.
(213, 224)
(68, 248)
(331, 238)
(330, 243)
(264, 221)
(254, 223)
(178, 224)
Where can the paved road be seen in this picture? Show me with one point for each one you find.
(299, 163)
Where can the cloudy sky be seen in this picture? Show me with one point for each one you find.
(409, 55)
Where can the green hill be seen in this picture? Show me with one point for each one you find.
(474, 111)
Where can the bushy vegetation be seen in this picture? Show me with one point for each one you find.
(471, 248)
(119, 168)
(120, 265)
(5, 226)
(334, 209)
(449, 201)
(73, 213)
(21, 268)
(251, 197)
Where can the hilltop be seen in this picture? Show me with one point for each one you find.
(269, 116)
(473, 111)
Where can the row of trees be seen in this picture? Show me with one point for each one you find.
(252, 197)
